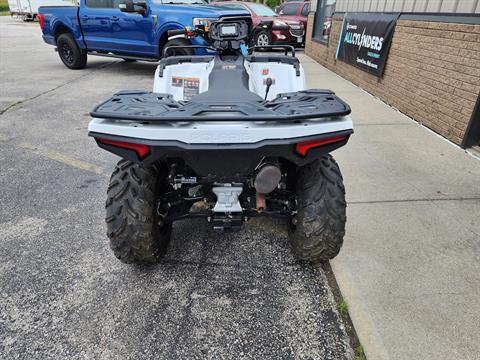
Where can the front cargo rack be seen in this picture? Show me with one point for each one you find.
(154, 107)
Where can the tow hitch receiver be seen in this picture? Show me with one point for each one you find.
(227, 212)
(227, 221)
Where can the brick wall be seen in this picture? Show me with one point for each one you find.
(432, 73)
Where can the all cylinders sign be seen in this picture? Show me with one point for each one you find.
(365, 40)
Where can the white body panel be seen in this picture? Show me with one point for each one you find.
(198, 71)
(218, 132)
(283, 75)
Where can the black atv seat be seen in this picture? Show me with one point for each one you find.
(228, 80)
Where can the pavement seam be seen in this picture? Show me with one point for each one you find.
(382, 124)
(411, 200)
(20, 102)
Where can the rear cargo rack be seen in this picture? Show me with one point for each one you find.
(154, 107)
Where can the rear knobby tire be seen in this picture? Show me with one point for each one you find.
(319, 227)
(71, 55)
(132, 220)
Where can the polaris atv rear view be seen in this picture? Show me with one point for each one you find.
(235, 131)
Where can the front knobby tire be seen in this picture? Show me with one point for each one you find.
(132, 220)
(317, 232)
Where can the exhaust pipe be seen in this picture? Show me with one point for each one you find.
(261, 202)
(266, 181)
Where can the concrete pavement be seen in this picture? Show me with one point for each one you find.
(410, 268)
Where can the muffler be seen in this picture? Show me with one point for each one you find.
(267, 180)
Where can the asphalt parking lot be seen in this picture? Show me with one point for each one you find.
(62, 292)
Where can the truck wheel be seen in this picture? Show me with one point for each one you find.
(263, 38)
(69, 52)
(133, 226)
(317, 231)
(178, 52)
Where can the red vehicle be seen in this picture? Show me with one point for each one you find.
(294, 10)
(285, 31)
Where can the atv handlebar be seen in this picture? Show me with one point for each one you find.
(227, 36)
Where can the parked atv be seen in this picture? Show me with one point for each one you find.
(235, 131)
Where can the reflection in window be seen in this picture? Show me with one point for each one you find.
(323, 20)
(99, 4)
(289, 9)
(306, 9)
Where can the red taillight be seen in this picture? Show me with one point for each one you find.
(141, 149)
(303, 147)
(41, 20)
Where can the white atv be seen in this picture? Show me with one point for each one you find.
(232, 130)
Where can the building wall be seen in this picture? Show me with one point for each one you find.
(445, 6)
(432, 73)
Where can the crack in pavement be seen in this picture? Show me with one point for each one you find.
(20, 102)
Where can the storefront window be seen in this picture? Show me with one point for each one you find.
(323, 20)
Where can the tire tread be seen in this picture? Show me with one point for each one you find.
(321, 206)
(131, 214)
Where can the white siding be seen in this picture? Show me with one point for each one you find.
(433, 6)
(398, 5)
(369, 5)
(448, 6)
(466, 6)
(388, 5)
(408, 5)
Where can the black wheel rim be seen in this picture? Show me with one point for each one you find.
(67, 53)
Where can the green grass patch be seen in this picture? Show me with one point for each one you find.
(343, 306)
(359, 353)
(4, 6)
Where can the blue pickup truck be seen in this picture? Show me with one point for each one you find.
(128, 29)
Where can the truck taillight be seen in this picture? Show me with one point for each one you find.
(41, 20)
